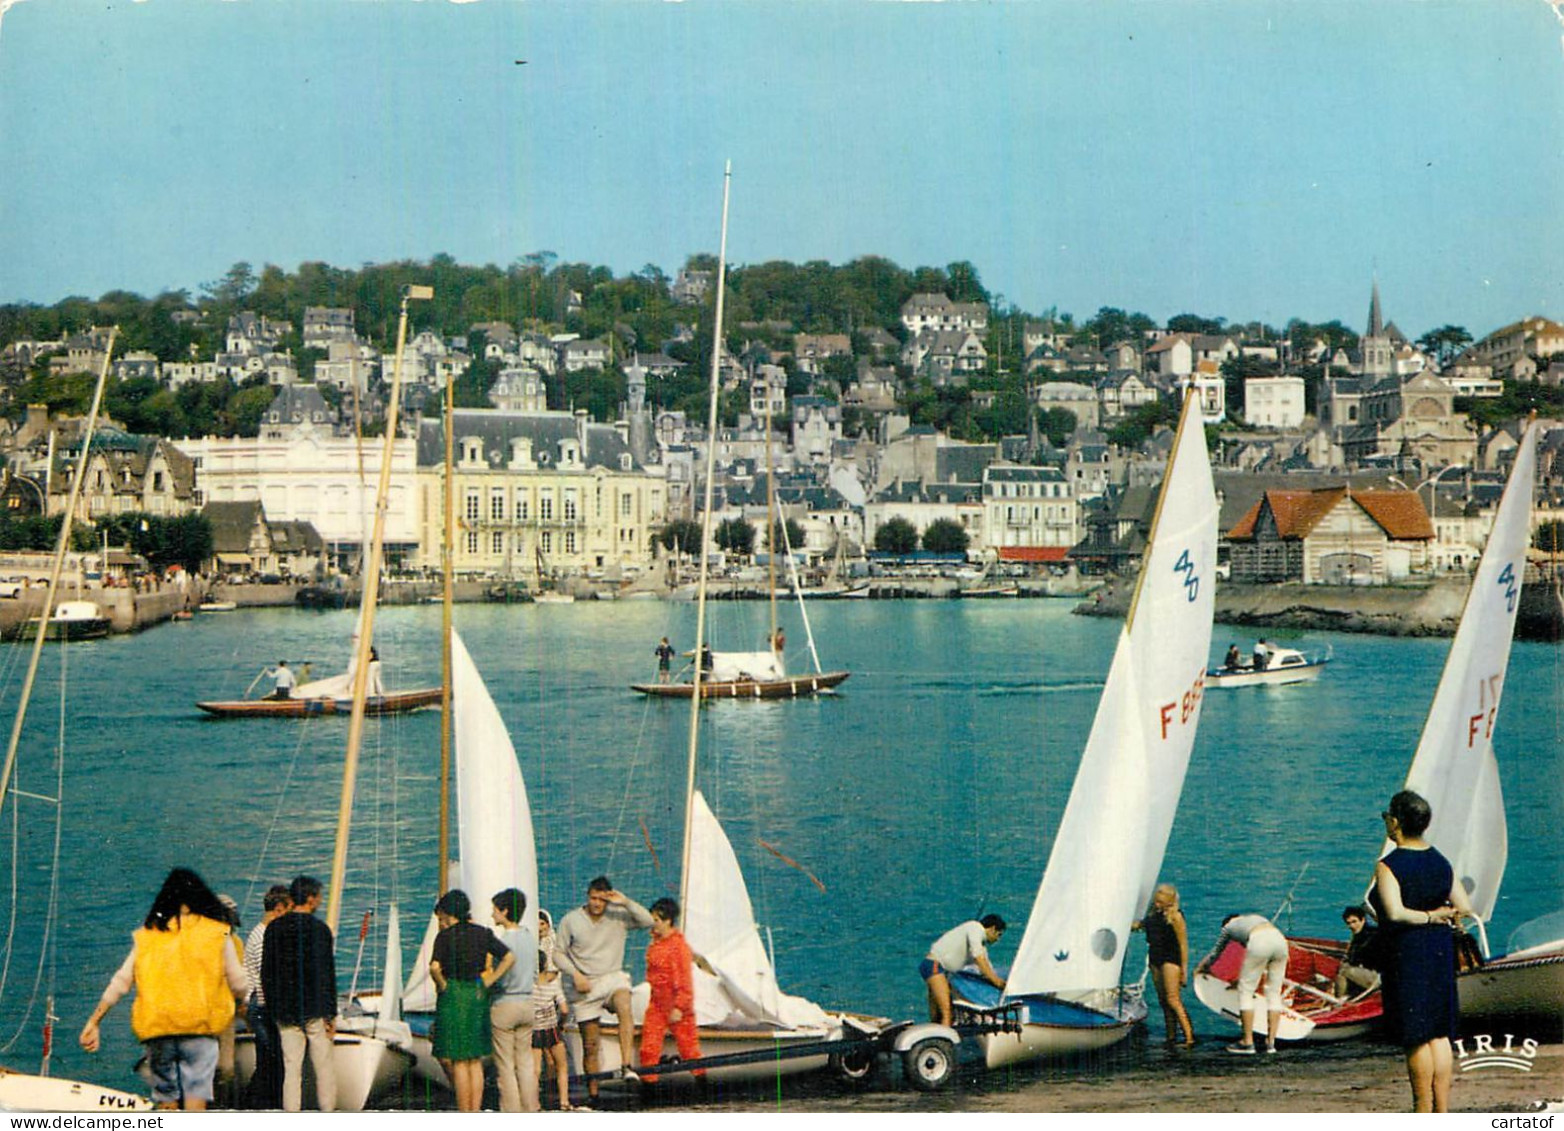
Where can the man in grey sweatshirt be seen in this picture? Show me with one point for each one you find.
(589, 948)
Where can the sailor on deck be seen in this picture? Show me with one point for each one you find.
(283, 689)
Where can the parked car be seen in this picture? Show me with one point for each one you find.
(11, 587)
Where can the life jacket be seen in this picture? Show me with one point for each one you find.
(181, 989)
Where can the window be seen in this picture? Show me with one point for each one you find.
(546, 542)
(473, 505)
(497, 504)
(157, 480)
(570, 541)
(472, 541)
(521, 504)
(570, 504)
(497, 542)
(546, 504)
(626, 502)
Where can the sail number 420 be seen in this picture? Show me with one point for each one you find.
(1183, 709)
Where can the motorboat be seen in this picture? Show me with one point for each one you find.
(75, 620)
(1286, 665)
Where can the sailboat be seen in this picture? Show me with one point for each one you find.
(548, 593)
(1456, 771)
(1065, 984)
(21, 1091)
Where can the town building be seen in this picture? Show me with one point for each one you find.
(1332, 536)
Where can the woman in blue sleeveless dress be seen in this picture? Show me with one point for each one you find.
(1418, 900)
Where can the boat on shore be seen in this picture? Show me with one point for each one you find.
(1286, 665)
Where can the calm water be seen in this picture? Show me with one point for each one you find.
(927, 792)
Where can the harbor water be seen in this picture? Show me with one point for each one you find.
(926, 792)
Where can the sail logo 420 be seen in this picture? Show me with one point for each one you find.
(1479, 1051)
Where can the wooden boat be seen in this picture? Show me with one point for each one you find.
(1307, 997)
(74, 620)
(1454, 767)
(1065, 984)
(788, 687)
(1287, 665)
(391, 703)
(217, 606)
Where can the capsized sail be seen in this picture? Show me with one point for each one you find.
(719, 925)
(1110, 843)
(1455, 768)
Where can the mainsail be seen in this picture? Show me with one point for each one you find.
(1455, 768)
(1115, 828)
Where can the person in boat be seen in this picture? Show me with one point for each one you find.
(283, 675)
(510, 1005)
(299, 979)
(965, 944)
(708, 661)
(265, 1090)
(1419, 901)
(1234, 659)
(375, 686)
(671, 976)
(1167, 953)
(664, 653)
(1262, 655)
(186, 975)
(1265, 956)
(779, 641)
(589, 949)
(1357, 970)
(465, 962)
(548, 1007)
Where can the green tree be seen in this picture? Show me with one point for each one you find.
(1445, 343)
(680, 534)
(794, 534)
(896, 536)
(1549, 537)
(1135, 429)
(946, 536)
(1194, 324)
(1058, 424)
(735, 536)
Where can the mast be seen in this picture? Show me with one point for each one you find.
(700, 591)
(447, 554)
(771, 525)
(57, 566)
(371, 594)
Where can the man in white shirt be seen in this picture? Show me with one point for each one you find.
(965, 944)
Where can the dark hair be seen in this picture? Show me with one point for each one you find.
(455, 904)
(183, 889)
(602, 883)
(303, 889)
(512, 901)
(666, 908)
(1355, 909)
(994, 921)
(1411, 812)
(542, 960)
(276, 896)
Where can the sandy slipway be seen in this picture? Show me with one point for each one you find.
(1354, 1077)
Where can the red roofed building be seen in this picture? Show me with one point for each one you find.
(1332, 536)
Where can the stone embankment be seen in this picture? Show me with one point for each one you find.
(1430, 609)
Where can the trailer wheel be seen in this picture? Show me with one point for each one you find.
(930, 1063)
(856, 1066)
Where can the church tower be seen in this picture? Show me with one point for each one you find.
(1378, 353)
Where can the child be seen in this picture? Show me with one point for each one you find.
(672, 1004)
(548, 1007)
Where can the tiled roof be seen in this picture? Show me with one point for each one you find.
(1399, 514)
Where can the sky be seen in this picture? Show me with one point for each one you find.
(1243, 159)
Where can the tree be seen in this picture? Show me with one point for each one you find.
(735, 536)
(896, 536)
(1194, 324)
(1058, 424)
(1133, 431)
(793, 531)
(1445, 343)
(1549, 537)
(946, 536)
(681, 535)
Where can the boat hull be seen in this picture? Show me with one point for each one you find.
(1310, 1011)
(368, 1069)
(1270, 677)
(389, 704)
(1051, 1028)
(22, 1092)
(793, 687)
(86, 628)
(1514, 987)
(720, 1042)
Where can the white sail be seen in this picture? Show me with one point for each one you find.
(340, 686)
(727, 666)
(391, 985)
(1115, 828)
(719, 924)
(493, 816)
(1455, 768)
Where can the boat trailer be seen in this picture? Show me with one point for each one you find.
(926, 1049)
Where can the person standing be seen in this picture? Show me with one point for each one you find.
(186, 976)
(465, 961)
(1418, 901)
(1262, 654)
(670, 974)
(963, 945)
(265, 1090)
(548, 1006)
(1167, 953)
(1265, 955)
(510, 1006)
(664, 653)
(299, 982)
(589, 949)
(283, 675)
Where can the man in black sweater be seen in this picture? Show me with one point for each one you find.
(299, 979)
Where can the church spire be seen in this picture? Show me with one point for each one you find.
(1376, 326)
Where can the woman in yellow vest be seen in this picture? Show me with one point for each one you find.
(186, 975)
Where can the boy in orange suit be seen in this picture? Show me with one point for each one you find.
(672, 1005)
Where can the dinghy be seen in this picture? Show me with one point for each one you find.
(1065, 982)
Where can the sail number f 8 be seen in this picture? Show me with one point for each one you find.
(1183, 709)
(1191, 580)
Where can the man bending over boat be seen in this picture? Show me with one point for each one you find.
(589, 949)
(965, 944)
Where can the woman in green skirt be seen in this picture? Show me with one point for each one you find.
(467, 959)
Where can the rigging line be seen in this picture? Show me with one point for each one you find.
(624, 799)
(282, 796)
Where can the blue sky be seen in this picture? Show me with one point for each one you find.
(1238, 158)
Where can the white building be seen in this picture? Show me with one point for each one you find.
(1027, 506)
(1274, 402)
